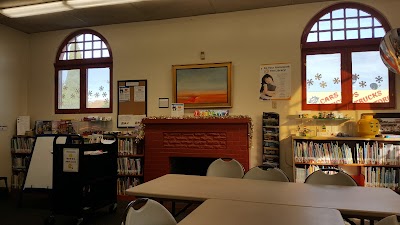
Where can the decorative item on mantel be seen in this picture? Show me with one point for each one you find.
(368, 126)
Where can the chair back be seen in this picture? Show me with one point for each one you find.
(221, 168)
(338, 178)
(270, 174)
(150, 213)
(389, 220)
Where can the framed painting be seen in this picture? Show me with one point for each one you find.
(203, 85)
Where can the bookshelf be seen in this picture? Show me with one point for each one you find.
(21, 151)
(270, 151)
(373, 162)
(130, 163)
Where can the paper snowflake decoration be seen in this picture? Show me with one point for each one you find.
(355, 77)
(313, 100)
(77, 90)
(104, 94)
(310, 82)
(96, 95)
(318, 76)
(72, 95)
(90, 93)
(101, 88)
(323, 84)
(336, 80)
(362, 84)
(106, 100)
(379, 79)
(65, 87)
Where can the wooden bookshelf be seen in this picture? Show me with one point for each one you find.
(376, 161)
(21, 150)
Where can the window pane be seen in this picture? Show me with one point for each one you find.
(325, 36)
(103, 45)
(362, 13)
(351, 23)
(324, 25)
(97, 54)
(338, 24)
(312, 37)
(366, 33)
(79, 55)
(338, 35)
(95, 38)
(352, 34)
(88, 45)
(370, 78)
(314, 27)
(326, 16)
(366, 22)
(323, 79)
(97, 45)
(88, 55)
(351, 13)
(106, 53)
(79, 38)
(88, 37)
(69, 89)
(98, 88)
(377, 23)
(339, 13)
(379, 32)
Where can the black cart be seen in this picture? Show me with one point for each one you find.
(84, 179)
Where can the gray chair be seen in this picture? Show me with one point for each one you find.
(337, 178)
(225, 168)
(269, 174)
(389, 220)
(151, 212)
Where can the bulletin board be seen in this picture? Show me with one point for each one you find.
(132, 102)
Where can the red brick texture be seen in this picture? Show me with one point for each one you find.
(207, 138)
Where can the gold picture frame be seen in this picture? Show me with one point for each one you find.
(203, 85)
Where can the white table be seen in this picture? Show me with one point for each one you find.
(229, 212)
(363, 202)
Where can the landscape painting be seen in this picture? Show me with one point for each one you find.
(203, 85)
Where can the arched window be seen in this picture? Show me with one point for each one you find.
(83, 74)
(342, 68)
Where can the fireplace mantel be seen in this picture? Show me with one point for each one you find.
(193, 137)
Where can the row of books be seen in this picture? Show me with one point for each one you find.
(335, 153)
(17, 180)
(124, 183)
(129, 166)
(128, 146)
(310, 152)
(20, 162)
(382, 177)
(302, 173)
(22, 145)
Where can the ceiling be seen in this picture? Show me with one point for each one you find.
(133, 12)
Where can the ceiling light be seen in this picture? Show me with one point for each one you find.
(38, 9)
(77, 4)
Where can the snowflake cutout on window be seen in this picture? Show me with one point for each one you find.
(104, 94)
(313, 100)
(355, 77)
(318, 76)
(63, 96)
(65, 87)
(323, 84)
(77, 90)
(379, 79)
(72, 95)
(336, 80)
(96, 95)
(90, 93)
(310, 82)
(101, 88)
(106, 100)
(362, 84)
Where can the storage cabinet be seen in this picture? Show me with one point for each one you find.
(130, 163)
(21, 151)
(374, 162)
(270, 152)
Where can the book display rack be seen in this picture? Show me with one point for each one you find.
(270, 154)
(375, 160)
(130, 163)
(21, 150)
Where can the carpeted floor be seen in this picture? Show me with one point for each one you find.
(35, 210)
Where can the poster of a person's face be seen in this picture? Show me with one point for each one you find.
(275, 81)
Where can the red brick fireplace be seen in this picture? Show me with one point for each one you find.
(192, 137)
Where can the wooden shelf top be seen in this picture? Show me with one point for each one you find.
(344, 138)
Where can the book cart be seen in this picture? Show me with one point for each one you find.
(84, 179)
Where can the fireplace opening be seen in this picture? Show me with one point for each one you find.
(190, 165)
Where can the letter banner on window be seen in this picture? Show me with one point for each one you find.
(275, 81)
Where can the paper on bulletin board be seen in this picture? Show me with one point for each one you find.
(275, 81)
(139, 93)
(130, 120)
(71, 160)
(124, 94)
(177, 109)
(23, 125)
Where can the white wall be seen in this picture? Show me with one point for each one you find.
(14, 71)
(146, 50)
